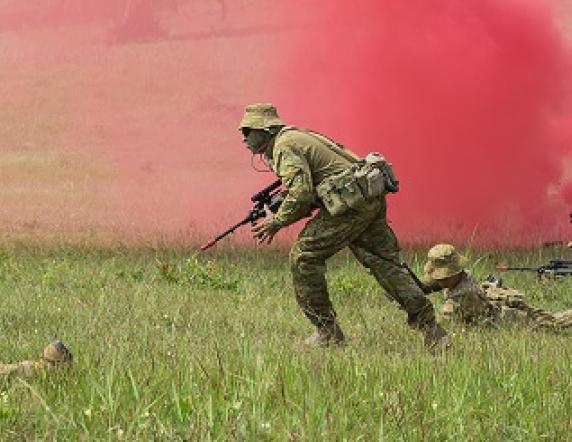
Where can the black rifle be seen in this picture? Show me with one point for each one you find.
(424, 287)
(268, 198)
(555, 267)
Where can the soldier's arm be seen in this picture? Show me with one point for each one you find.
(431, 286)
(295, 173)
(473, 304)
(21, 369)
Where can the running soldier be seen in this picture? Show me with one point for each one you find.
(310, 165)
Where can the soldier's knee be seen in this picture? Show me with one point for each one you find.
(418, 304)
(302, 264)
(303, 300)
(294, 259)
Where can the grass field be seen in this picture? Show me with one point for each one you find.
(170, 345)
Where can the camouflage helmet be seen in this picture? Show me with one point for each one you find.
(57, 352)
(443, 261)
(260, 116)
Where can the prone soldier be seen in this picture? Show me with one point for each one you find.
(315, 172)
(55, 355)
(468, 301)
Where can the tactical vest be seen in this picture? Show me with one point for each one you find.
(365, 180)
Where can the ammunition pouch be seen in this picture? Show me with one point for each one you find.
(366, 180)
(341, 192)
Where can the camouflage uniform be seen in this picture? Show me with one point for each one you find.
(52, 357)
(471, 302)
(563, 319)
(303, 159)
(468, 302)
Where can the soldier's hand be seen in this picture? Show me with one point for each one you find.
(264, 233)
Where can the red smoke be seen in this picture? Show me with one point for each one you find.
(567, 194)
(470, 101)
(154, 104)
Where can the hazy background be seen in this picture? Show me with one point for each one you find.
(119, 118)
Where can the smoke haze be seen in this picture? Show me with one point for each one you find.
(470, 100)
(121, 119)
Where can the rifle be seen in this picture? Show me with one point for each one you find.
(270, 198)
(424, 287)
(554, 268)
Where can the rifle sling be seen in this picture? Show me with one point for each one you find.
(332, 145)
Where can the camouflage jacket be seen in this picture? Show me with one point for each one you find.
(472, 302)
(303, 159)
(468, 301)
(23, 369)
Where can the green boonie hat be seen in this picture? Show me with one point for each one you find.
(444, 261)
(260, 116)
(57, 352)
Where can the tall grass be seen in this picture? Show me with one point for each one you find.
(171, 345)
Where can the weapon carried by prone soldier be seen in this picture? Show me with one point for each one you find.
(554, 268)
(268, 198)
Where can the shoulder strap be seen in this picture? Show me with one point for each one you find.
(336, 147)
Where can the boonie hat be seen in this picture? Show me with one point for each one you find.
(260, 116)
(57, 352)
(444, 261)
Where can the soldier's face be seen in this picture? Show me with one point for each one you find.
(255, 139)
(450, 282)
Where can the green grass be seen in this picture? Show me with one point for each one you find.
(170, 345)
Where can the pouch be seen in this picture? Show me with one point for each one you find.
(371, 181)
(389, 182)
(341, 192)
(328, 192)
(366, 180)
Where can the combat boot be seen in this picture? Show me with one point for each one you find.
(326, 335)
(437, 339)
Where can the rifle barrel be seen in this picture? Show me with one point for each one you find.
(504, 268)
(208, 245)
(227, 232)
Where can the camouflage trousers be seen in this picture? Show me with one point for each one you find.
(24, 368)
(509, 304)
(375, 246)
(563, 320)
(515, 308)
